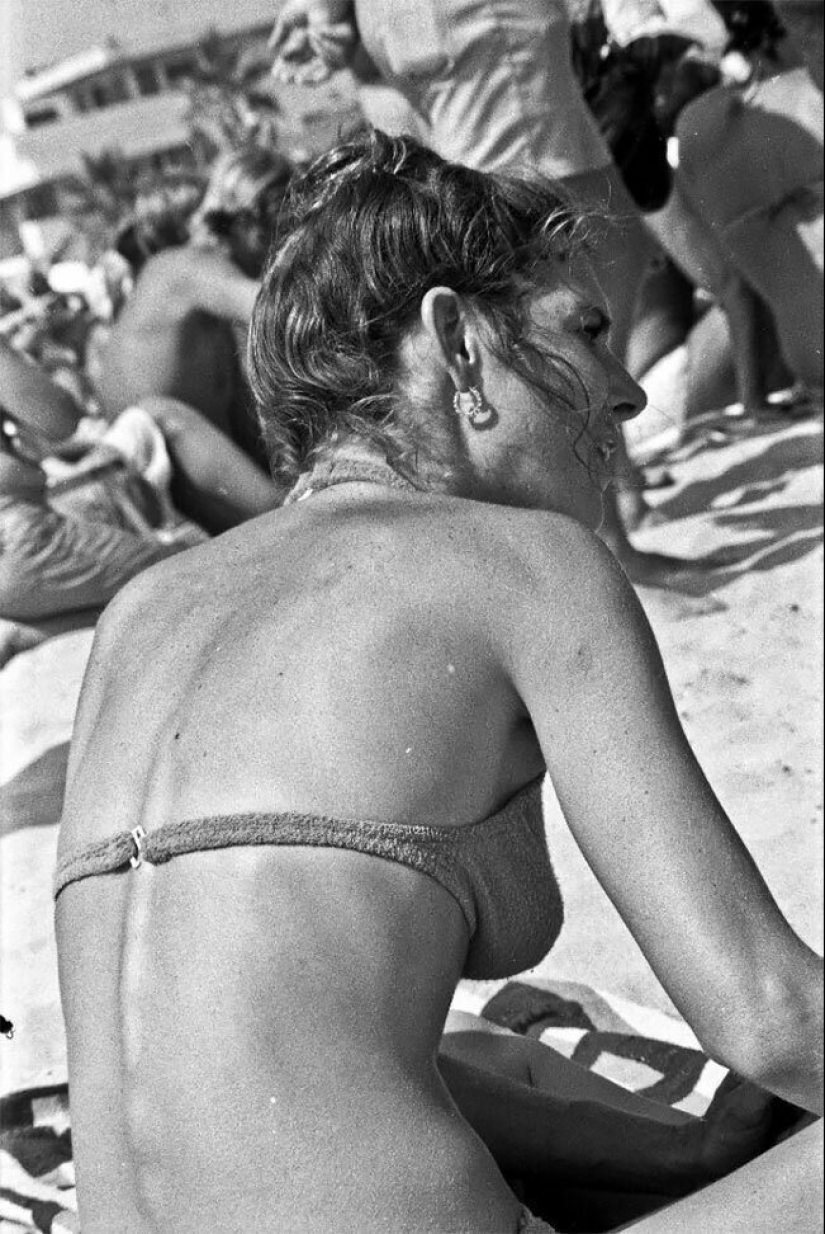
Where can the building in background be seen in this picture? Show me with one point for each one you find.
(127, 94)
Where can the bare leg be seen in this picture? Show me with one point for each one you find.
(712, 382)
(711, 377)
(664, 317)
(225, 485)
(779, 1191)
(695, 248)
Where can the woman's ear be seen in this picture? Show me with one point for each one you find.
(451, 331)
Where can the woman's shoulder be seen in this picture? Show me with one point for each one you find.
(519, 567)
(158, 598)
(548, 546)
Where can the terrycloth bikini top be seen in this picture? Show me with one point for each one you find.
(498, 869)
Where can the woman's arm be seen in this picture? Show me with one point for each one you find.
(234, 487)
(648, 822)
(179, 281)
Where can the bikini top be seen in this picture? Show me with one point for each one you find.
(498, 869)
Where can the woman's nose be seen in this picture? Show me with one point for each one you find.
(627, 398)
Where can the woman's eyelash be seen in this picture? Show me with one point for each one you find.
(595, 326)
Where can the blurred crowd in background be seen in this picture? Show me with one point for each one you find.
(719, 147)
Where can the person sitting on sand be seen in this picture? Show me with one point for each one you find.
(67, 546)
(304, 793)
(175, 334)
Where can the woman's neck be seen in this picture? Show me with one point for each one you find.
(355, 460)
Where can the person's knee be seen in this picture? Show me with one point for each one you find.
(171, 415)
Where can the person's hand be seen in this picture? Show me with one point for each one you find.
(312, 39)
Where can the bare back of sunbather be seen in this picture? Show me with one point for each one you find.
(175, 338)
(294, 963)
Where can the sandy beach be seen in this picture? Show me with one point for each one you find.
(743, 648)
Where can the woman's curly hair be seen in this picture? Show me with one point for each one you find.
(369, 229)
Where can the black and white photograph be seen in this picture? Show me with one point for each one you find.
(411, 616)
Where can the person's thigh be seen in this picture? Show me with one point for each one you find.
(781, 255)
(492, 79)
(779, 1191)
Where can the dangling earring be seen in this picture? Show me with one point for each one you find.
(470, 403)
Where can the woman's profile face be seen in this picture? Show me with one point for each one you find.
(560, 407)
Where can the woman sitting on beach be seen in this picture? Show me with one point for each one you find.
(304, 794)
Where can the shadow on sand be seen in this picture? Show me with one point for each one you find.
(761, 534)
(34, 797)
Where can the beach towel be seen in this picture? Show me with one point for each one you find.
(637, 1047)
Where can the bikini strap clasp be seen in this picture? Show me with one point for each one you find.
(138, 836)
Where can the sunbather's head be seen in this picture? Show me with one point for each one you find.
(242, 204)
(159, 220)
(374, 227)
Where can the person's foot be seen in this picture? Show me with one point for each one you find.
(719, 429)
(797, 403)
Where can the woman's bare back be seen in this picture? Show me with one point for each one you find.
(230, 696)
(318, 661)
